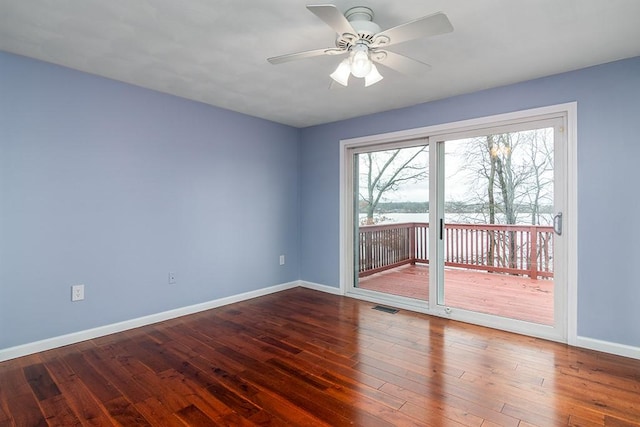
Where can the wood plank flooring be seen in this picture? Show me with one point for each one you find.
(515, 297)
(306, 358)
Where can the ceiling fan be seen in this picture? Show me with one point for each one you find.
(361, 38)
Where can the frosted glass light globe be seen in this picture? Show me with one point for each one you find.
(360, 62)
(341, 74)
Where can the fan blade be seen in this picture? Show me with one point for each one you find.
(302, 55)
(330, 14)
(427, 26)
(400, 63)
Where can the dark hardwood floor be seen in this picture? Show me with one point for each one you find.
(302, 357)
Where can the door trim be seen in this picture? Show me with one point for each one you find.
(569, 110)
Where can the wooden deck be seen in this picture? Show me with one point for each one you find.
(516, 297)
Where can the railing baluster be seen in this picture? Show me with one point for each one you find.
(468, 257)
(534, 253)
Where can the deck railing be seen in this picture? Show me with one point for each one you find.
(514, 249)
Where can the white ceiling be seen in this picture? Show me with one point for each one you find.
(215, 51)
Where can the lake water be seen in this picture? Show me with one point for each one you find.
(451, 218)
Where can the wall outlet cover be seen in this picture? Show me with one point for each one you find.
(77, 292)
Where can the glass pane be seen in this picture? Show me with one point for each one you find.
(498, 242)
(392, 221)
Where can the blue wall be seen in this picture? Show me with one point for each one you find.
(608, 99)
(114, 186)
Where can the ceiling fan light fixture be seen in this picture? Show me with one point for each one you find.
(365, 43)
(342, 73)
(373, 77)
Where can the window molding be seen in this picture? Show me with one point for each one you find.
(566, 110)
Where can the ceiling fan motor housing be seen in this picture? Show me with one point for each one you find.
(359, 13)
(361, 19)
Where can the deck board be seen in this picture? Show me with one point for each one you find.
(516, 297)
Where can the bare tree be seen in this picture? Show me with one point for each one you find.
(511, 175)
(383, 172)
(540, 163)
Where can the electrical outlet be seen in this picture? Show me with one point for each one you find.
(281, 259)
(77, 292)
(172, 278)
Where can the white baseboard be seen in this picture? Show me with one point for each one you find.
(75, 337)
(319, 287)
(608, 347)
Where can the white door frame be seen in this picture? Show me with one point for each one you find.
(431, 133)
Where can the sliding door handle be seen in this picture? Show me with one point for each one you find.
(441, 228)
(557, 224)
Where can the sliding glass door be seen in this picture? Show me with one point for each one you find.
(390, 220)
(464, 222)
(497, 211)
